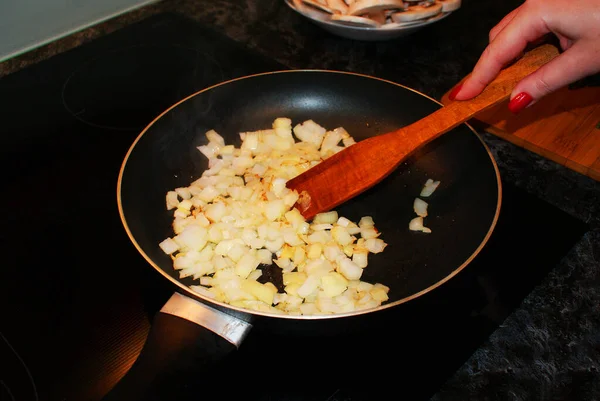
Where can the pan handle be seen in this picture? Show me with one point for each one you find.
(186, 337)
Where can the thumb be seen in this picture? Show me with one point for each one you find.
(579, 61)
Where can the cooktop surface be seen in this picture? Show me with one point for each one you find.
(78, 300)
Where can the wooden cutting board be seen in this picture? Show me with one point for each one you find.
(563, 127)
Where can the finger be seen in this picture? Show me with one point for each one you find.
(507, 45)
(505, 21)
(580, 60)
(565, 43)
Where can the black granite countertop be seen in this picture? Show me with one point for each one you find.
(559, 322)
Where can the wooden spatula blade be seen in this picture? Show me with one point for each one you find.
(364, 164)
(344, 175)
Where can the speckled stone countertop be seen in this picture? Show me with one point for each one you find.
(559, 322)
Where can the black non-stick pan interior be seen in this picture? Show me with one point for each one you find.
(462, 211)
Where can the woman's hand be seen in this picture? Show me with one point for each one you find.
(576, 23)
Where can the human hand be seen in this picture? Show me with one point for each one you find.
(576, 23)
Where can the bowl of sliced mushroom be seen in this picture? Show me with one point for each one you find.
(374, 20)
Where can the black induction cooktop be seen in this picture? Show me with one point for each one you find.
(78, 300)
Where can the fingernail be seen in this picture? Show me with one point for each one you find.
(452, 95)
(519, 102)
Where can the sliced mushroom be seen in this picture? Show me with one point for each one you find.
(450, 5)
(311, 12)
(378, 17)
(353, 20)
(417, 12)
(362, 7)
(316, 4)
(337, 6)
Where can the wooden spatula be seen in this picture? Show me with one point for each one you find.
(364, 164)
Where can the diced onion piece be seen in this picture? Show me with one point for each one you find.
(344, 222)
(348, 142)
(201, 220)
(262, 292)
(209, 150)
(349, 269)
(294, 278)
(215, 211)
(318, 227)
(216, 166)
(375, 245)
(169, 246)
(299, 256)
(326, 218)
(250, 141)
(333, 284)
(264, 256)
(203, 291)
(278, 186)
(206, 281)
(274, 209)
(291, 198)
(193, 237)
(184, 193)
(314, 251)
(181, 213)
(185, 204)
(310, 132)
(420, 207)
(172, 200)
(416, 224)
(369, 232)
(429, 187)
(366, 222)
(310, 285)
(290, 237)
(309, 309)
(363, 286)
(319, 237)
(212, 136)
(361, 259)
(332, 252)
(341, 236)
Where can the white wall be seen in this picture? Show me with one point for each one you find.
(27, 24)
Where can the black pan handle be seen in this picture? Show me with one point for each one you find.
(186, 339)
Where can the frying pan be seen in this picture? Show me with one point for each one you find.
(462, 211)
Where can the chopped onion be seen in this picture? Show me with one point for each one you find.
(184, 193)
(375, 245)
(366, 222)
(213, 137)
(416, 224)
(420, 207)
(240, 215)
(429, 188)
(326, 218)
(169, 246)
(172, 200)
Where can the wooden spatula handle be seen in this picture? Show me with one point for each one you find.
(498, 90)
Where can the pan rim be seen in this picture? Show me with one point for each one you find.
(231, 309)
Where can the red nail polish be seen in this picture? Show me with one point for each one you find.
(519, 102)
(452, 95)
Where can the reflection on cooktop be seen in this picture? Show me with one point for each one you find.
(78, 298)
(110, 90)
(16, 381)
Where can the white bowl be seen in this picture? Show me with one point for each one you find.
(385, 32)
